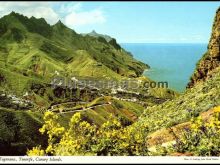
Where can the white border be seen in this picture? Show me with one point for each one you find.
(107, 159)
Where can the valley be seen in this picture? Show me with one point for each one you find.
(64, 93)
(31, 60)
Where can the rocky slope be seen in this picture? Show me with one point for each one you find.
(211, 58)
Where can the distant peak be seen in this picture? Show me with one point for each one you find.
(94, 32)
(59, 23)
(14, 13)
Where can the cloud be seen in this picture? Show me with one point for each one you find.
(36, 9)
(42, 12)
(84, 18)
(69, 7)
(76, 17)
(70, 13)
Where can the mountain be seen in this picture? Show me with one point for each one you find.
(97, 35)
(34, 46)
(211, 59)
(32, 53)
(104, 38)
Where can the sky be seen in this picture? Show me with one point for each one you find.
(128, 22)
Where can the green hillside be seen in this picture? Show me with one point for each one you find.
(32, 45)
(33, 50)
(32, 53)
(98, 111)
(19, 130)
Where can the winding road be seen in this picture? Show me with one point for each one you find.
(80, 109)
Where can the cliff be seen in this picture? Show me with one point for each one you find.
(211, 58)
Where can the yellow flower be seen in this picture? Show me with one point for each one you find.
(195, 127)
(106, 124)
(108, 134)
(59, 130)
(217, 109)
(211, 124)
(124, 145)
(114, 133)
(36, 151)
(117, 123)
(88, 125)
(49, 149)
(76, 118)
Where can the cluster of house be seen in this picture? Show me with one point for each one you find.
(17, 100)
(123, 99)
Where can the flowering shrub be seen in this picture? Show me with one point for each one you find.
(54, 132)
(83, 138)
(202, 138)
(36, 151)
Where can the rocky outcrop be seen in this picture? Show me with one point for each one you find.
(211, 58)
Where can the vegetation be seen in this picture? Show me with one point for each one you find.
(202, 138)
(111, 138)
(98, 111)
(92, 121)
(82, 138)
(19, 131)
(181, 109)
(58, 46)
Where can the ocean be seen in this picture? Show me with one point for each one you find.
(172, 63)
